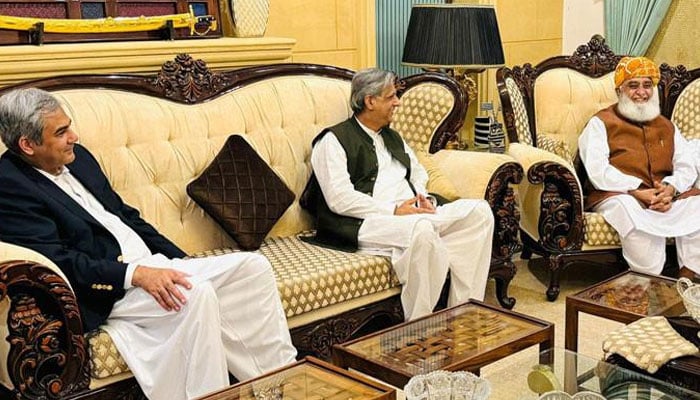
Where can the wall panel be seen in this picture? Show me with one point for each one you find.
(333, 32)
(676, 42)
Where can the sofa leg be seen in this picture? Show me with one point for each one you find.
(503, 272)
(555, 265)
(502, 294)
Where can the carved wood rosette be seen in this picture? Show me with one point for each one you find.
(188, 80)
(48, 353)
(594, 58)
(323, 336)
(672, 81)
(318, 339)
(561, 210)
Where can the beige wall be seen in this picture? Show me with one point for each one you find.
(677, 38)
(582, 19)
(531, 31)
(333, 32)
(674, 43)
(342, 33)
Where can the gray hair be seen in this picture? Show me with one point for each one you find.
(22, 115)
(368, 82)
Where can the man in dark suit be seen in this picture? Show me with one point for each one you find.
(181, 325)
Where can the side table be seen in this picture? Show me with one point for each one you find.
(310, 378)
(464, 337)
(625, 298)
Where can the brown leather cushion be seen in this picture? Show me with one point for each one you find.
(240, 191)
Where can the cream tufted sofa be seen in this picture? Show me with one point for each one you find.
(545, 108)
(153, 135)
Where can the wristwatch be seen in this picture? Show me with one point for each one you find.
(676, 193)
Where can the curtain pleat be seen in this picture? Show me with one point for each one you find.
(630, 25)
(392, 21)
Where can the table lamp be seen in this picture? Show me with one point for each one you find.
(457, 39)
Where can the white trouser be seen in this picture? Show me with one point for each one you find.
(423, 247)
(232, 321)
(647, 253)
(643, 232)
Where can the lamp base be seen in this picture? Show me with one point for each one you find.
(467, 81)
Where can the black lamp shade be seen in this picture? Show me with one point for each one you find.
(453, 36)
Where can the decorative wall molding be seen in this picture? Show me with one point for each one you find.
(20, 63)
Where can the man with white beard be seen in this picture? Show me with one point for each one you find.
(642, 172)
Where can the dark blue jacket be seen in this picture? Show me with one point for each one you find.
(36, 213)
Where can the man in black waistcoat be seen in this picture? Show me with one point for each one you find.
(368, 193)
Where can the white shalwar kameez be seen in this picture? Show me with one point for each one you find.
(422, 247)
(232, 321)
(643, 232)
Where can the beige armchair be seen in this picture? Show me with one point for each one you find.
(545, 107)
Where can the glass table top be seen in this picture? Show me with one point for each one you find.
(640, 294)
(444, 339)
(524, 376)
(305, 380)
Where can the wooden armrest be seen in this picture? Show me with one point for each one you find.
(488, 176)
(48, 353)
(560, 224)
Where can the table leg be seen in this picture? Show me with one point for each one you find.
(571, 326)
(571, 344)
(547, 348)
(570, 373)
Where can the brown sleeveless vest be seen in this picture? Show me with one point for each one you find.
(644, 150)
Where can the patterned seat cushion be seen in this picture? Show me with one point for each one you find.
(105, 359)
(308, 278)
(648, 343)
(598, 232)
(311, 277)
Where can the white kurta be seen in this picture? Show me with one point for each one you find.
(643, 232)
(422, 247)
(695, 146)
(233, 320)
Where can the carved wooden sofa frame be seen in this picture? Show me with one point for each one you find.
(561, 234)
(49, 356)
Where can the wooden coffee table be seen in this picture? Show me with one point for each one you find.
(624, 298)
(307, 379)
(465, 337)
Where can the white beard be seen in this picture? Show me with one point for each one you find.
(639, 112)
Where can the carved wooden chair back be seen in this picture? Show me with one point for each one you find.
(547, 105)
